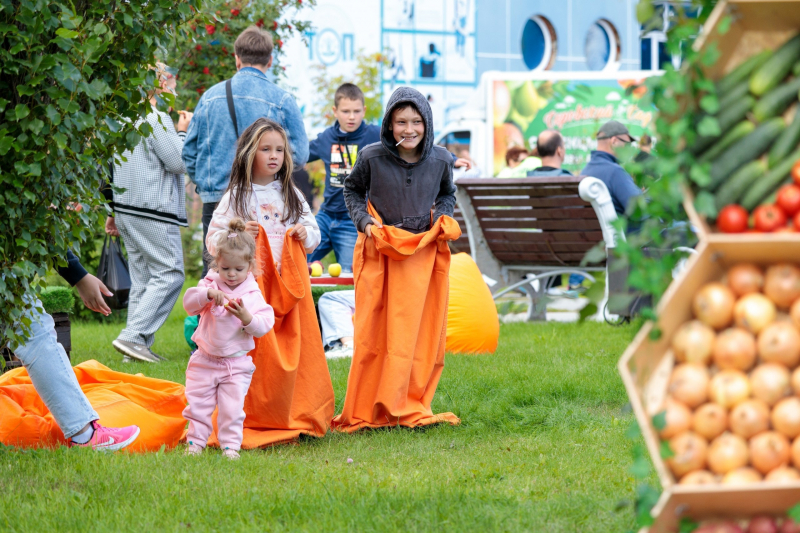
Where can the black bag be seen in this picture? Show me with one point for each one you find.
(113, 272)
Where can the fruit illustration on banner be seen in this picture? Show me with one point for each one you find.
(335, 270)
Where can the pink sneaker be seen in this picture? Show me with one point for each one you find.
(110, 439)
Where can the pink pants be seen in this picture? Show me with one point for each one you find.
(217, 382)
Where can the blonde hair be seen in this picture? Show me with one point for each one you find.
(236, 241)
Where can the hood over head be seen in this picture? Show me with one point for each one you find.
(403, 95)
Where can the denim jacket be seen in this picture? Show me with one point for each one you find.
(211, 142)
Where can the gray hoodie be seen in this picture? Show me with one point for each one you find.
(403, 193)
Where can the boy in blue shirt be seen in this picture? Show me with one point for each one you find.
(338, 148)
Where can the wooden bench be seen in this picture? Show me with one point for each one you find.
(524, 229)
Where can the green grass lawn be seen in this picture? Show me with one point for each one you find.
(541, 447)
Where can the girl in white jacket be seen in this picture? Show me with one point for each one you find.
(261, 191)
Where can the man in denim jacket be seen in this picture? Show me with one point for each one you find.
(211, 139)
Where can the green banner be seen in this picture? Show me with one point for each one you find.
(576, 108)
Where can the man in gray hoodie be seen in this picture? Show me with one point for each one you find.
(405, 174)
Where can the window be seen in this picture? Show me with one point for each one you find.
(602, 47)
(539, 43)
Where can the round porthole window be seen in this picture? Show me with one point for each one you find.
(539, 46)
(602, 49)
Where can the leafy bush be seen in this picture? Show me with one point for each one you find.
(73, 80)
(202, 50)
(57, 300)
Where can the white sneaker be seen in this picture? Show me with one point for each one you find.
(339, 351)
(233, 455)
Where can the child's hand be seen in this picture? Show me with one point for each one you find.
(251, 227)
(237, 309)
(299, 232)
(462, 162)
(368, 228)
(217, 296)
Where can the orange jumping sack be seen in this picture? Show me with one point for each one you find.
(401, 283)
(155, 405)
(291, 392)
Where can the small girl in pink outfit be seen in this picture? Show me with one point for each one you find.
(232, 311)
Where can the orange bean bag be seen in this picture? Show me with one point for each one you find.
(291, 393)
(401, 297)
(155, 405)
(472, 322)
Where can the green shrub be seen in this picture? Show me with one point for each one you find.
(73, 81)
(57, 300)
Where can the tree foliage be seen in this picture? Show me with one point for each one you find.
(202, 48)
(73, 81)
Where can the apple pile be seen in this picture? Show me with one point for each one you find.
(782, 216)
(732, 412)
(757, 524)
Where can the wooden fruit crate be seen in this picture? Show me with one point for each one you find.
(732, 503)
(647, 364)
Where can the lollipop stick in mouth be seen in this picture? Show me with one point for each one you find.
(401, 140)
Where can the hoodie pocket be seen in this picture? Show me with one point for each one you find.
(417, 223)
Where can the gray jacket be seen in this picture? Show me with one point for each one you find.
(152, 176)
(403, 193)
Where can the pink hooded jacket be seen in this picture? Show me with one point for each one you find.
(220, 333)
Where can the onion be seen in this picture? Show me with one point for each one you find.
(749, 418)
(729, 388)
(678, 419)
(742, 476)
(713, 305)
(727, 452)
(754, 312)
(710, 421)
(782, 284)
(783, 474)
(794, 313)
(768, 451)
(770, 383)
(693, 343)
(745, 278)
(780, 343)
(699, 477)
(690, 453)
(786, 417)
(689, 384)
(735, 348)
(762, 524)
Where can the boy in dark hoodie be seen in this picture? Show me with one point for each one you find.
(401, 196)
(338, 146)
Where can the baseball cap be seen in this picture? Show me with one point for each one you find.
(612, 128)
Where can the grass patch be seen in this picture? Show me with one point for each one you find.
(541, 448)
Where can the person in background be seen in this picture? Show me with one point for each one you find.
(211, 139)
(149, 211)
(519, 161)
(645, 149)
(604, 165)
(52, 376)
(303, 182)
(336, 309)
(550, 145)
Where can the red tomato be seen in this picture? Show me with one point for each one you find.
(796, 173)
(789, 199)
(769, 218)
(796, 222)
(732, 219)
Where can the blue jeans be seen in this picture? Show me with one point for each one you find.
(338, 234)
(52, 376)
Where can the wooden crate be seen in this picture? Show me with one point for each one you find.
(733, 503)
(647, 364)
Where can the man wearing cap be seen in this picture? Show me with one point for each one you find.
(603, 165)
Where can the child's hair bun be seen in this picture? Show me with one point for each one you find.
(236, 225)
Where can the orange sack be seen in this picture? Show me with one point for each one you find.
(472, 322)
(401, 282)
(291, 392)
(155, 405)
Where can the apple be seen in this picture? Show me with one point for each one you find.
(335, 270)
(316, 269)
